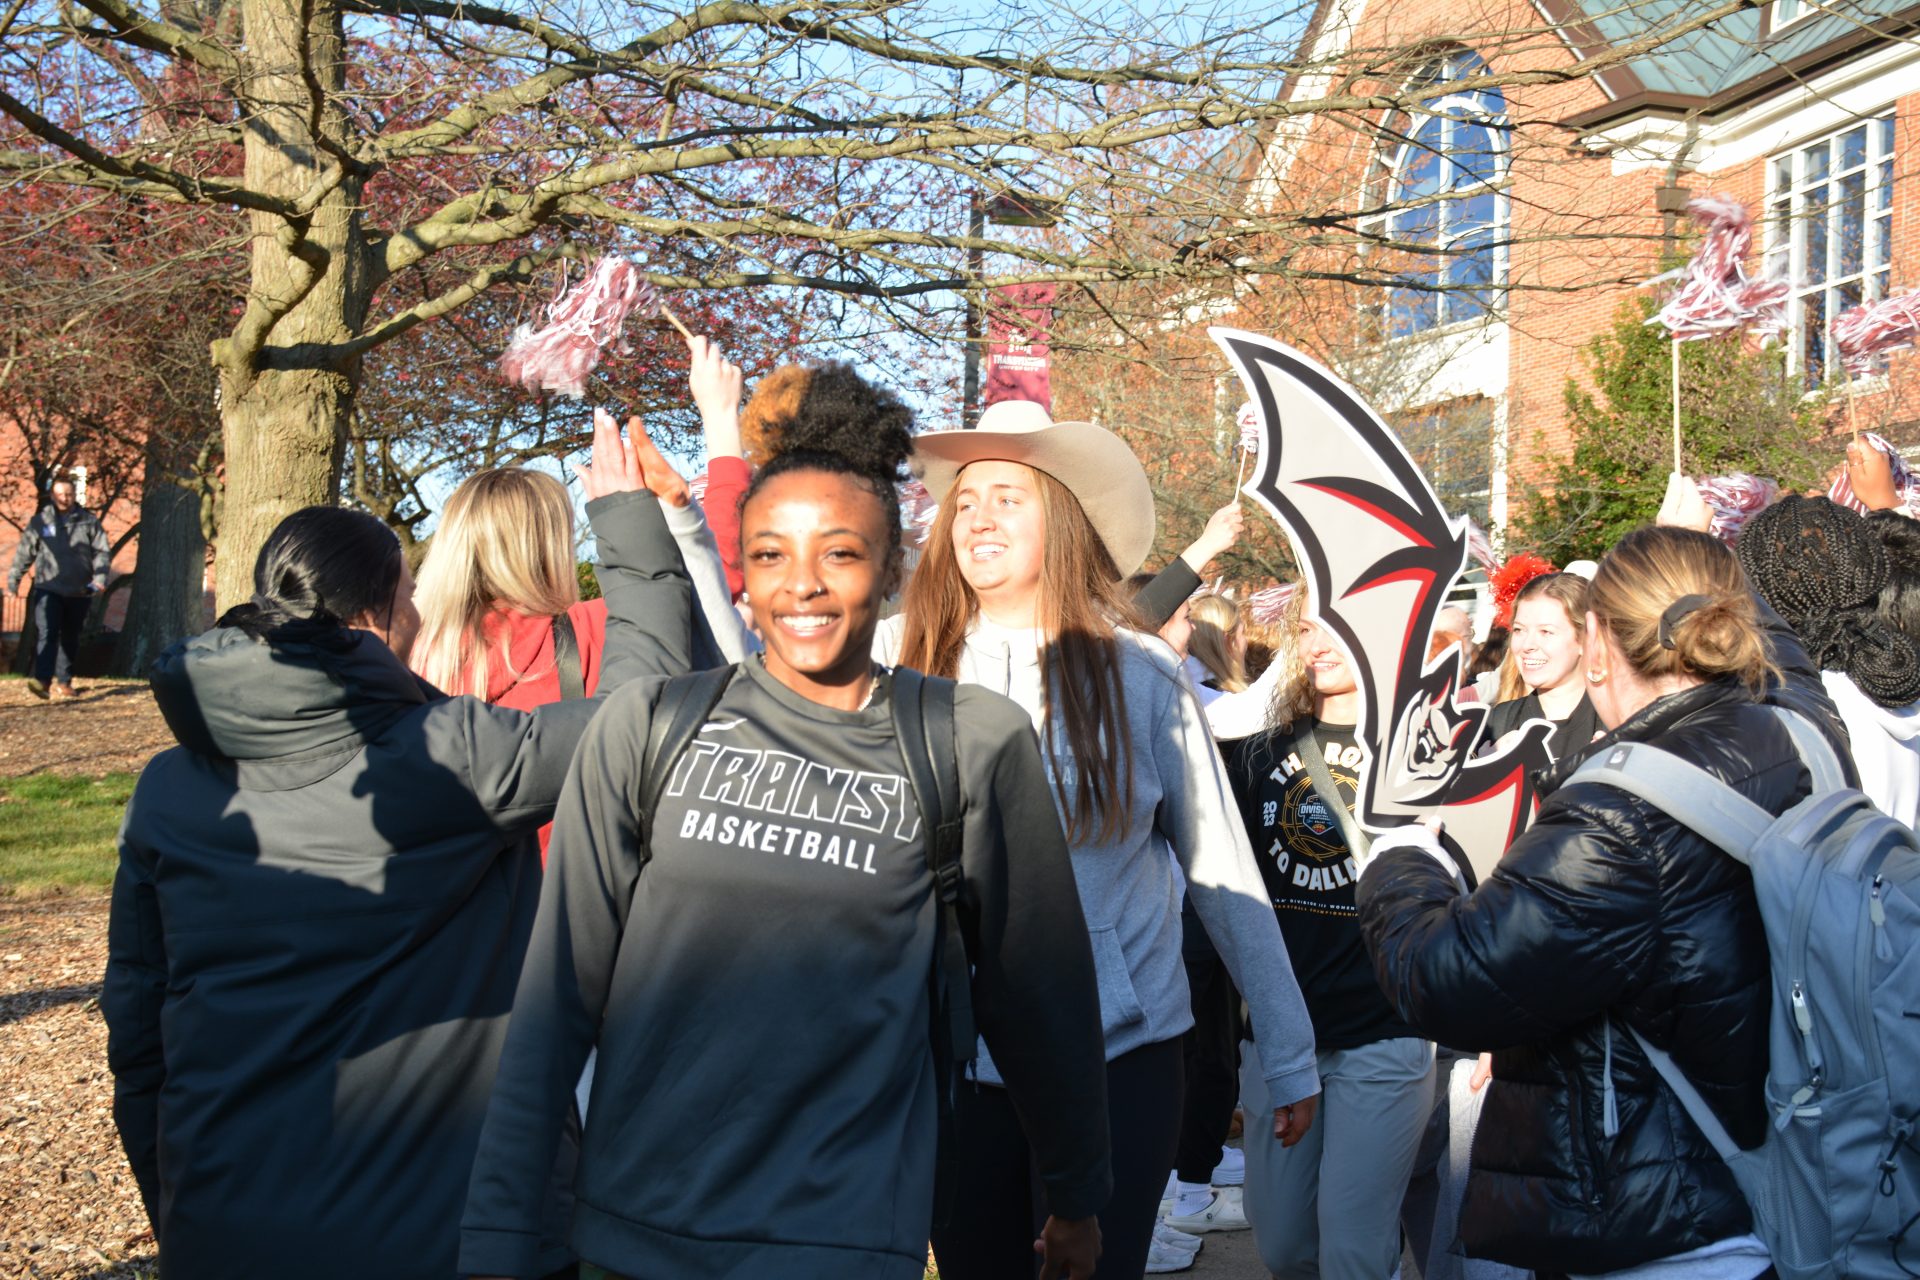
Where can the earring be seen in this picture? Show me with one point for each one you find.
(1595, 677)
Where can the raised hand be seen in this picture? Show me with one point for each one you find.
(615, 467)
(1870, 472)
(716, 383)
(666, 483)
(1683, 507)
(1224, 528)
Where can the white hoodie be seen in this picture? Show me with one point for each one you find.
(1128, 889)
(1886, 748)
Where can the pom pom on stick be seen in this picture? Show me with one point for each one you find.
(581, 323)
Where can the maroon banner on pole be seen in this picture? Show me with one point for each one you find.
(1018, 323)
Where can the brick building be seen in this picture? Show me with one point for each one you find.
(1553, 201)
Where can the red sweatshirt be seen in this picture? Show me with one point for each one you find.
(530, 652)
(726, 484)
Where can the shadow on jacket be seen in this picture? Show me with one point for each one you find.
(323, 900)
(1605, 914)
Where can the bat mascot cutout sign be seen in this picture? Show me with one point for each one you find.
(1379, 555)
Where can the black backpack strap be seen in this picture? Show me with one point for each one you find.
(682, 707)
(923, 720)
(566, 659)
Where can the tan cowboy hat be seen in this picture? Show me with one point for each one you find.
(1095, 465)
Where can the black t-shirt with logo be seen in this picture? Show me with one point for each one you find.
(1310, 877)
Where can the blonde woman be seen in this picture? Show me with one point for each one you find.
(1605, 917)
(1217, 647)
(500, 611)
(1326, 1208)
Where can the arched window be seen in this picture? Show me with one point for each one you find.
(1442, 166)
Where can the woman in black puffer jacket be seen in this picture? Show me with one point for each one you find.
(1607, 914)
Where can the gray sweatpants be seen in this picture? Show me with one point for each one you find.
(1330, 1205)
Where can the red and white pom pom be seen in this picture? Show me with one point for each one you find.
(698, 487)
(1480, 548)
(920, 510)
(1905, 482)
(1736, 499)
(581, 323)
(1863, 332)
(1249, 423)
(1715, 296)
(1269, 605)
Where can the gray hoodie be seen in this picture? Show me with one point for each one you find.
(1129, 891)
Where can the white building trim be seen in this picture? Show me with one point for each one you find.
(1455, 363)
(1831, 101)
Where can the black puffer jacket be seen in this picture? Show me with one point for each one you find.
(1605, 914)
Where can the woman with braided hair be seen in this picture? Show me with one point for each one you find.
(1823, 569)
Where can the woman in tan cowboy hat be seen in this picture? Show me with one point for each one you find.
(1019, 589)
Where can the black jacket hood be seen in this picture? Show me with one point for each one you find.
(225, 693)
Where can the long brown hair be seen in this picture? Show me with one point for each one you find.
(1292, 699)
(1080, 666)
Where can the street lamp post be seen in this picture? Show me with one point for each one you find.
(1005, 209)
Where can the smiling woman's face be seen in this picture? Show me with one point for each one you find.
(818, 565)
(1545, 643)
(999, 530)
(1326, 665)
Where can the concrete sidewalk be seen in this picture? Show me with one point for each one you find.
(1228, 1255)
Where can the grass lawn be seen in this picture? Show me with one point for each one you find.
(56, 834)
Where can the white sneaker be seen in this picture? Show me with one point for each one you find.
(1232, 1169)
(1163, 1258)
(1223, 1213)
(1166, 1235)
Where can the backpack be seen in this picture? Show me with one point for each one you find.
(923, 722)
(1835, 1188)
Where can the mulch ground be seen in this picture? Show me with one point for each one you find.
(112, 727)
(68, 1203)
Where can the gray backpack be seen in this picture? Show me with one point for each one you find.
(1835, 1188)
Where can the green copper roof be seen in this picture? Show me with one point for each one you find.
(1732, 51)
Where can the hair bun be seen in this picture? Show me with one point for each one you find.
(828, 408)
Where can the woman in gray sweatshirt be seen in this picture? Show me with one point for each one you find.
(1018, 591)
(751, 951)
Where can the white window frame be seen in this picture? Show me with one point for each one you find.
(1469, 108)
(1805, 217)
(1785, 13)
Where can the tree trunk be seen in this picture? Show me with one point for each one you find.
(282, 454)
(286, 399)
(169, 598)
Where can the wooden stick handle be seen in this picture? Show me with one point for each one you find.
(674, 320)
(1676, 406)
(1853, 410)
